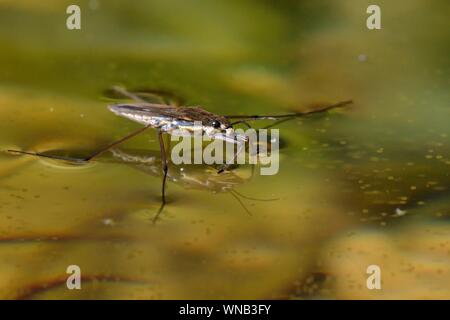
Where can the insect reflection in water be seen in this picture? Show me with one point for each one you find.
(191, 177)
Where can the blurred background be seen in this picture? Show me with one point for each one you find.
(364, 185)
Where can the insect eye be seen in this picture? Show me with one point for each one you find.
(215, 124)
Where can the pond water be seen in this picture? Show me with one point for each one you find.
(363, 185)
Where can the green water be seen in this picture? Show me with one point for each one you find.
(364, 185)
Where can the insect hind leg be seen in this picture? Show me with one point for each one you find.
(43, 155)
(88, 158)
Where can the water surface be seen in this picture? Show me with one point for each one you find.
(359, 186)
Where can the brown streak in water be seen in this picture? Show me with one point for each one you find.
(33, 289)
(65, 238)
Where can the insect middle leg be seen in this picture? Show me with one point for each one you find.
(164, 164)
(165, 169)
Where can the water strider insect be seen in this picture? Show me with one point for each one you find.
(166, 118)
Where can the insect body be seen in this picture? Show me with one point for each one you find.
(169, 118)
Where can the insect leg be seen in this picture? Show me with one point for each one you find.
(42, 155)
(168, 143)
(106, 148)
(88, 158)
(282, 116)
(155, 218)
(164, 164)
(165, 169)
(274, 124)
(243, 122)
